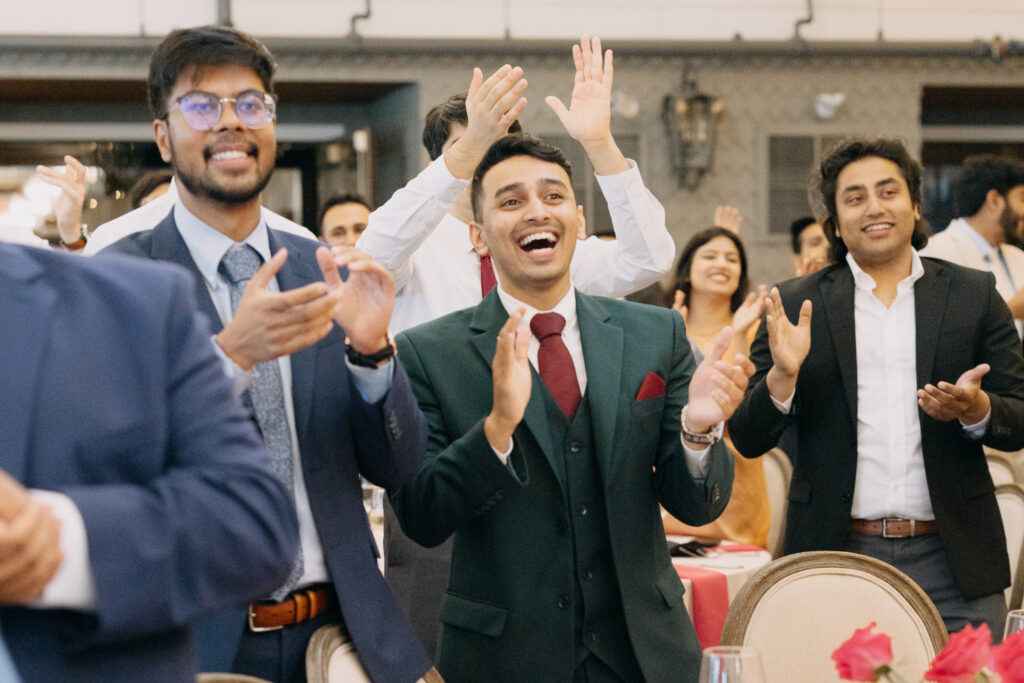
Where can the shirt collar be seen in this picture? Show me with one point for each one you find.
(566, 307)
(208, 246)
(867, 283)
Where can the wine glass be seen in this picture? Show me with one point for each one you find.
(1014, 622)
(731, 665)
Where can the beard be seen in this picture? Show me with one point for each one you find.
(1010, 222)
(204, 185)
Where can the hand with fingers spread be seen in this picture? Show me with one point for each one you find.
(679, 304)
(68, 207)
(964, 401)
(30, 551)
(749, 311)
(364, 300)
(268, 325)
(717, 386)
(728, 217)
(510, 373)
(810, 265)
(492, 106)
(789, 344)
(588, 117)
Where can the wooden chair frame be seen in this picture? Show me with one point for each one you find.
(1016, 600)
(777, 532)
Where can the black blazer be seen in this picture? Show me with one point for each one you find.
(961, 322)
(340, 437)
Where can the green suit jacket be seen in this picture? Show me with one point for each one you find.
(507, 613)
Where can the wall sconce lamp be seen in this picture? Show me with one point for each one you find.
(691, 119)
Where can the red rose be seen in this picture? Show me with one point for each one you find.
(1008, 659)
(965, 654)
(860, 657)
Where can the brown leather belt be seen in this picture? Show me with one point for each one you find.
(298, 607)
(893, 527)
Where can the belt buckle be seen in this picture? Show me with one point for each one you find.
(260, 629)
(885, 527)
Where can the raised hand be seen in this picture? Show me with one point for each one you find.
(717, 386)
(679, 305)
(964, 401)
(588, 117)
(789, 344)
(272, 324)
(364, 300)
(749, 311)
(30, 551)
(810, 265)
(492, 106)
(68, 207)
(512, 379)
(728, 217)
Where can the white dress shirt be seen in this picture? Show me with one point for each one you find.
(437, 272)
(147, 216)
(890, 480)
(696, 461)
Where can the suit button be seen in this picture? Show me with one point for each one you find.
(583, 510)
(564, 602)
(716, 494)
(591, 637)
(847, 497)
(588, 575)
(575, 447)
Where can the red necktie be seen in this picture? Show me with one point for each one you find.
(556, 368)
(487, 279)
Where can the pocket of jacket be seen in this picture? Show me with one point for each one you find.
(472, 615)
(671, 587)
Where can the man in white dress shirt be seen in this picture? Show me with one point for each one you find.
(989, 196)
(421, 235)
(909, 366)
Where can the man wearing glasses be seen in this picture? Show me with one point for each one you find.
(331, 401)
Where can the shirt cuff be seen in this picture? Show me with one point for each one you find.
(437, 175)
(783, 406)
(696, 461)
(240, 379)
(503, 457)
(73, 586)
(616, 187)
(977, 430)
(373, 383)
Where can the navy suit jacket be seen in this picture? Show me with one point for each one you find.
(115, 398)
(340, 437)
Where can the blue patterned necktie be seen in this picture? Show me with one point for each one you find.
(239, 264)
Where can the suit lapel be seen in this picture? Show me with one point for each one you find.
(930, 293)
(602, 355)
(27, 303)
(487, 321)
(167, 245)
(837, 294)
(297, 272)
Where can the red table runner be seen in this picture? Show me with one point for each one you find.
(710, 595)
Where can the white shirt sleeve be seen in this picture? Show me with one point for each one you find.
(396, 229)
(373, 383)
(73, 586)
(643, 250)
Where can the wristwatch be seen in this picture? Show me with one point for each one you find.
(707, 438)
(369, 360)
(77, 244)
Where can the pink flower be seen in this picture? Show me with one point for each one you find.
(965, 654)
(860, 657)
(1008, 659)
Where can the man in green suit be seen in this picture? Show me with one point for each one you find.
(551, 482)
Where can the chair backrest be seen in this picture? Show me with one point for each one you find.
(778, 471)
(1010, 498)
(1005, 468)
(796, 610)
(228, 678)
(331, 658)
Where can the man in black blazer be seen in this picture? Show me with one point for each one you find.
(907, 367)
(339, 405)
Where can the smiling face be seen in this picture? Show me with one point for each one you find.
(1012, 217)
(716, 268)
(343, 224)
(229, 164)
(875, 214)
(528, 223)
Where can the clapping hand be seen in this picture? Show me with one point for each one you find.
(364, 300)
(789, 345)
(717, 386)
(512, 379)
(68, 207)
(749, 311)
(679, 305)
(30, 551)
(728, 217)
(964, 401)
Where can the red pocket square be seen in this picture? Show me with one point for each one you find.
(652, 387)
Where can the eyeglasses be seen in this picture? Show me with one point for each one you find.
(201, 110)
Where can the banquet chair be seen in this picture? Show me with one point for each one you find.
(778, 471)
(228, 678)
(331, 658)
(1005, 468)
(796, 610)
(1010, 498)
